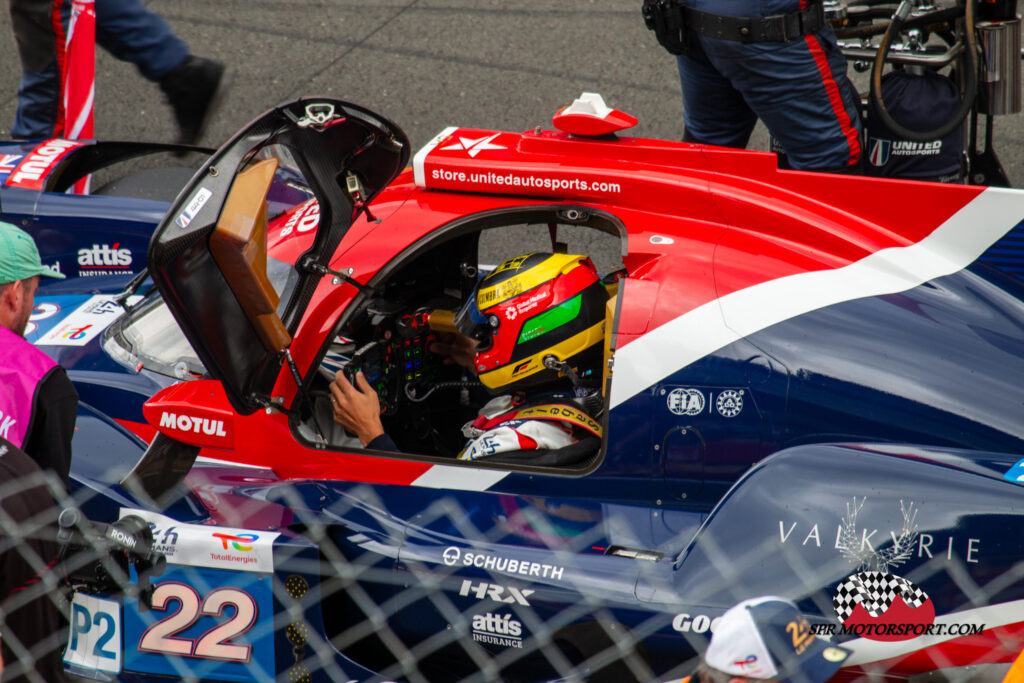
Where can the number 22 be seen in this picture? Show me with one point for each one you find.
(162, 637)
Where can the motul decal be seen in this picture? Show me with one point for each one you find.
(34, 168)
(195, 425)
(952, 246)
(216, 431)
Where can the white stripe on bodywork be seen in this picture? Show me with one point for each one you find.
(991, 616)
(421, 156)
(953, 246)
(460, 478)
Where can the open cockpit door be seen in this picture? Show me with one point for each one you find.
(209, 257)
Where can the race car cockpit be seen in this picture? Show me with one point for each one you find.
(426, 398)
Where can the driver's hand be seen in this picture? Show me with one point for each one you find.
(356, 408)
(456, 348)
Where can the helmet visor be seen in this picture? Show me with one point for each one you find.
(471, 322)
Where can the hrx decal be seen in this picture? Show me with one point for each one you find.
(491, 591)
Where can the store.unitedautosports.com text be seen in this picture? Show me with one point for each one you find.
(527, 181)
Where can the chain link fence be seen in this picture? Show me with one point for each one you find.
(430, 585)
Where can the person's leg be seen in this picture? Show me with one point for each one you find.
(38, 27)
(38, 112)
(802, 94)
(193, 85)
(714, 112)
(130, 32)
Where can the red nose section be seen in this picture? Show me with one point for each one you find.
(196, 413)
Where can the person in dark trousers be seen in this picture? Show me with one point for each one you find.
(38, 403)
(774, 60)
(766, 639)
(31, 628)
(130, 32)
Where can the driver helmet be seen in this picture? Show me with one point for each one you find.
(532, 307)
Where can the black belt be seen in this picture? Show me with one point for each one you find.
(671, 21)
(778, 28)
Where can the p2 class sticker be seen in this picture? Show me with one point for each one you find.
(94, 634)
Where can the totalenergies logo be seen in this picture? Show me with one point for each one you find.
(240, 542)
(749, 663)
(76, 332)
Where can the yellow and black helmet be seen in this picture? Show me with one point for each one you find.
(530, 308)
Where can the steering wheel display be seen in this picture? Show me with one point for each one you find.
(397, 360)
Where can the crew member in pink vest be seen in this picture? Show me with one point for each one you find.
(38, 403)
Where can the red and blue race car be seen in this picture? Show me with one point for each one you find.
(804, 392)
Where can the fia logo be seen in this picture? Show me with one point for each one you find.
(686, 402)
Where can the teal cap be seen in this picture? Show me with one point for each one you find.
(19, 258)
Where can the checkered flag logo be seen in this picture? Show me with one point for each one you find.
(876, 591)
